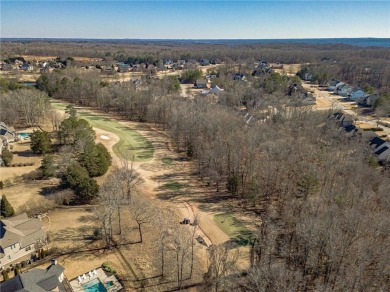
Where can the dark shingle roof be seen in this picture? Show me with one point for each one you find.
(13, 284)
(377, 142)
(36, 280)
(350, 128)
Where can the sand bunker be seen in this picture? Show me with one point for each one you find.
(104, 137)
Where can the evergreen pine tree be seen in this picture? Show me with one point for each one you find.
(6, 209)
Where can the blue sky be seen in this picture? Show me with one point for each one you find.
(195, 19)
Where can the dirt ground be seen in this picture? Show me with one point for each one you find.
(289, 69)
(73, 240)
(20, 76)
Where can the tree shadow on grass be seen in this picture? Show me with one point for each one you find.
(26, 153)
(87, 219)
(50, 190)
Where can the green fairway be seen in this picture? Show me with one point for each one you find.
(173, 186)
(131, 143)
(234, 228)
(167, 161)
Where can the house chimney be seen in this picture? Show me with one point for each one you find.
(54, 262)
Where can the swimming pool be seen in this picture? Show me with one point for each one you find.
(24, 135)
(94, 286)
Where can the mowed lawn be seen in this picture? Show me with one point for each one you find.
(131, 144)
(234, 228)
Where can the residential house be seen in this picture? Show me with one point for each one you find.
(211, 76)
(308, 76)
(168, 62)
(238, 76)
(336, 87)
(20, 237)
(343, 90)
(371, 99)
(332, 84)
(215, 89)
(383, 154)
(136, 68)
(7, 133)
(26, 67)
(381, 148)
(36, 280)
(377, 143)
(351, 130)
(123, 68)
(177, 66)
(201, 83)
(204, 62)
(18, 63)
(356, 93)
(343, 119)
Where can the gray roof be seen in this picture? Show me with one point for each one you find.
(35, 280)
(13, 284)
(380, 151)
(355, 89)
(20, 229)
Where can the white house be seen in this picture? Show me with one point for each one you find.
(20, 236)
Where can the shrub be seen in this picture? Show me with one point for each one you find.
(5, 275)
(107, 268)
(373, 129)
(1, 184)
(7, 156)
(97, 234)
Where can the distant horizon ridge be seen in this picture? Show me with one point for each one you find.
(353, 41)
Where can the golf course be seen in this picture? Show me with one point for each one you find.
(131, 144)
